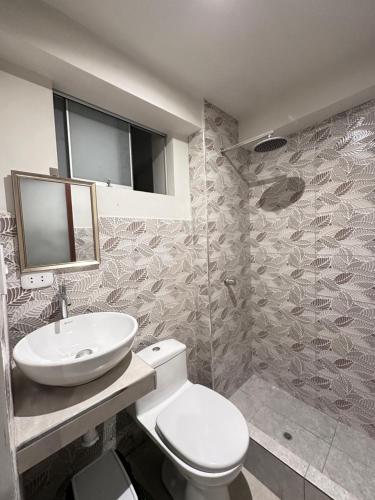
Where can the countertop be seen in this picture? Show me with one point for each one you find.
(49, 418)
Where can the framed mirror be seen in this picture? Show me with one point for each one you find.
(57, 222)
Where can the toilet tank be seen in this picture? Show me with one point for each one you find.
(168, 358)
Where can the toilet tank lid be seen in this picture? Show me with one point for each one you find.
(161, 352)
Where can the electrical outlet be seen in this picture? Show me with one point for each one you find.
(36, 280)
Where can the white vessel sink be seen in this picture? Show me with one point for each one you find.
(75, 350)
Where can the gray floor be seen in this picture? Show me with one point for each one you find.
(326, 449)
(146, 463)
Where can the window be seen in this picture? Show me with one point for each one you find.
(95, 145)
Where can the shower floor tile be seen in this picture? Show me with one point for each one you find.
(299, 412)
(302, 442)
(351, 474)
(340, 455)
(355, 444)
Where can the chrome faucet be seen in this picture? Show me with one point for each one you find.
(64, 302)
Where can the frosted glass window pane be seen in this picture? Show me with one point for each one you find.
(99, 145)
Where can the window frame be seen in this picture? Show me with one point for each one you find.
(131, 124)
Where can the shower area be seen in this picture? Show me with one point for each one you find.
(285, 316)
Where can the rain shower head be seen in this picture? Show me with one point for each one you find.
(263, 143)
(270, 144)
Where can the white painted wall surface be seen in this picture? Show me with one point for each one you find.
(316, 101)
(27, 143)
(125, 202)
(42, 39)
(27, 133)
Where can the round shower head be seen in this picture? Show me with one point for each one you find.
(270, 144)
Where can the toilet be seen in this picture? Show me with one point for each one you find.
(203, 436)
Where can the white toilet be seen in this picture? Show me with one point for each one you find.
(203, 435)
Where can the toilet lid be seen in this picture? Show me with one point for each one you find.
(204, 429)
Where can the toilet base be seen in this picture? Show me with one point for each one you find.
(181, 489)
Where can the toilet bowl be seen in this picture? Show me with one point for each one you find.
(203, 435)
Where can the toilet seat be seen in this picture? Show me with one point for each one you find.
(204, 429)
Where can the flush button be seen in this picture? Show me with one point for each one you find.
(156, 348)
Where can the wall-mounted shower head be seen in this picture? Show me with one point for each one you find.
(270, 143)
(263, 143)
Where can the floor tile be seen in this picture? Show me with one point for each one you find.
(356, 444)
(246, 403)
(320, 487)
(351, 474)
(338, 462)
(310, 418)
(306, 416)
(256, 386)
(275, 475)
(278, 450)
(314, 493)
(303, 443)
(248, 487)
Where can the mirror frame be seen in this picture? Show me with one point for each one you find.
(81, 264)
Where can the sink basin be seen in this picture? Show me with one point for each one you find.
(75, 350)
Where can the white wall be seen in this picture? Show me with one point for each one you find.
(27, 134)
(314, 102)
(27, 143)
(42, 39)
(125, 202)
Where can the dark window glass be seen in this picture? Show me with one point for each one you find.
(61, 135)
(148, 160)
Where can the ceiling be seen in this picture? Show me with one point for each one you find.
(243, 55)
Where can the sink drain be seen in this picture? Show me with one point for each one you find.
(84, 352)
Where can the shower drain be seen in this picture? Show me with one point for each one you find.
(287, 436)
(83, 352)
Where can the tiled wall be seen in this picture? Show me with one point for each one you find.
(220, 207)
(313, 268)
(228, 251)
(169, 274)
(147, 269)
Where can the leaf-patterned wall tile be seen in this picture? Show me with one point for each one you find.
(347, 228)
(344, 315)
(346, 273)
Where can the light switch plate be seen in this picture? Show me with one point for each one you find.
(36, 280)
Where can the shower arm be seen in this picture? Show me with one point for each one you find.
(224, 152)
(245, 142)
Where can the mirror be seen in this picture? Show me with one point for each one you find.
(57, 222)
